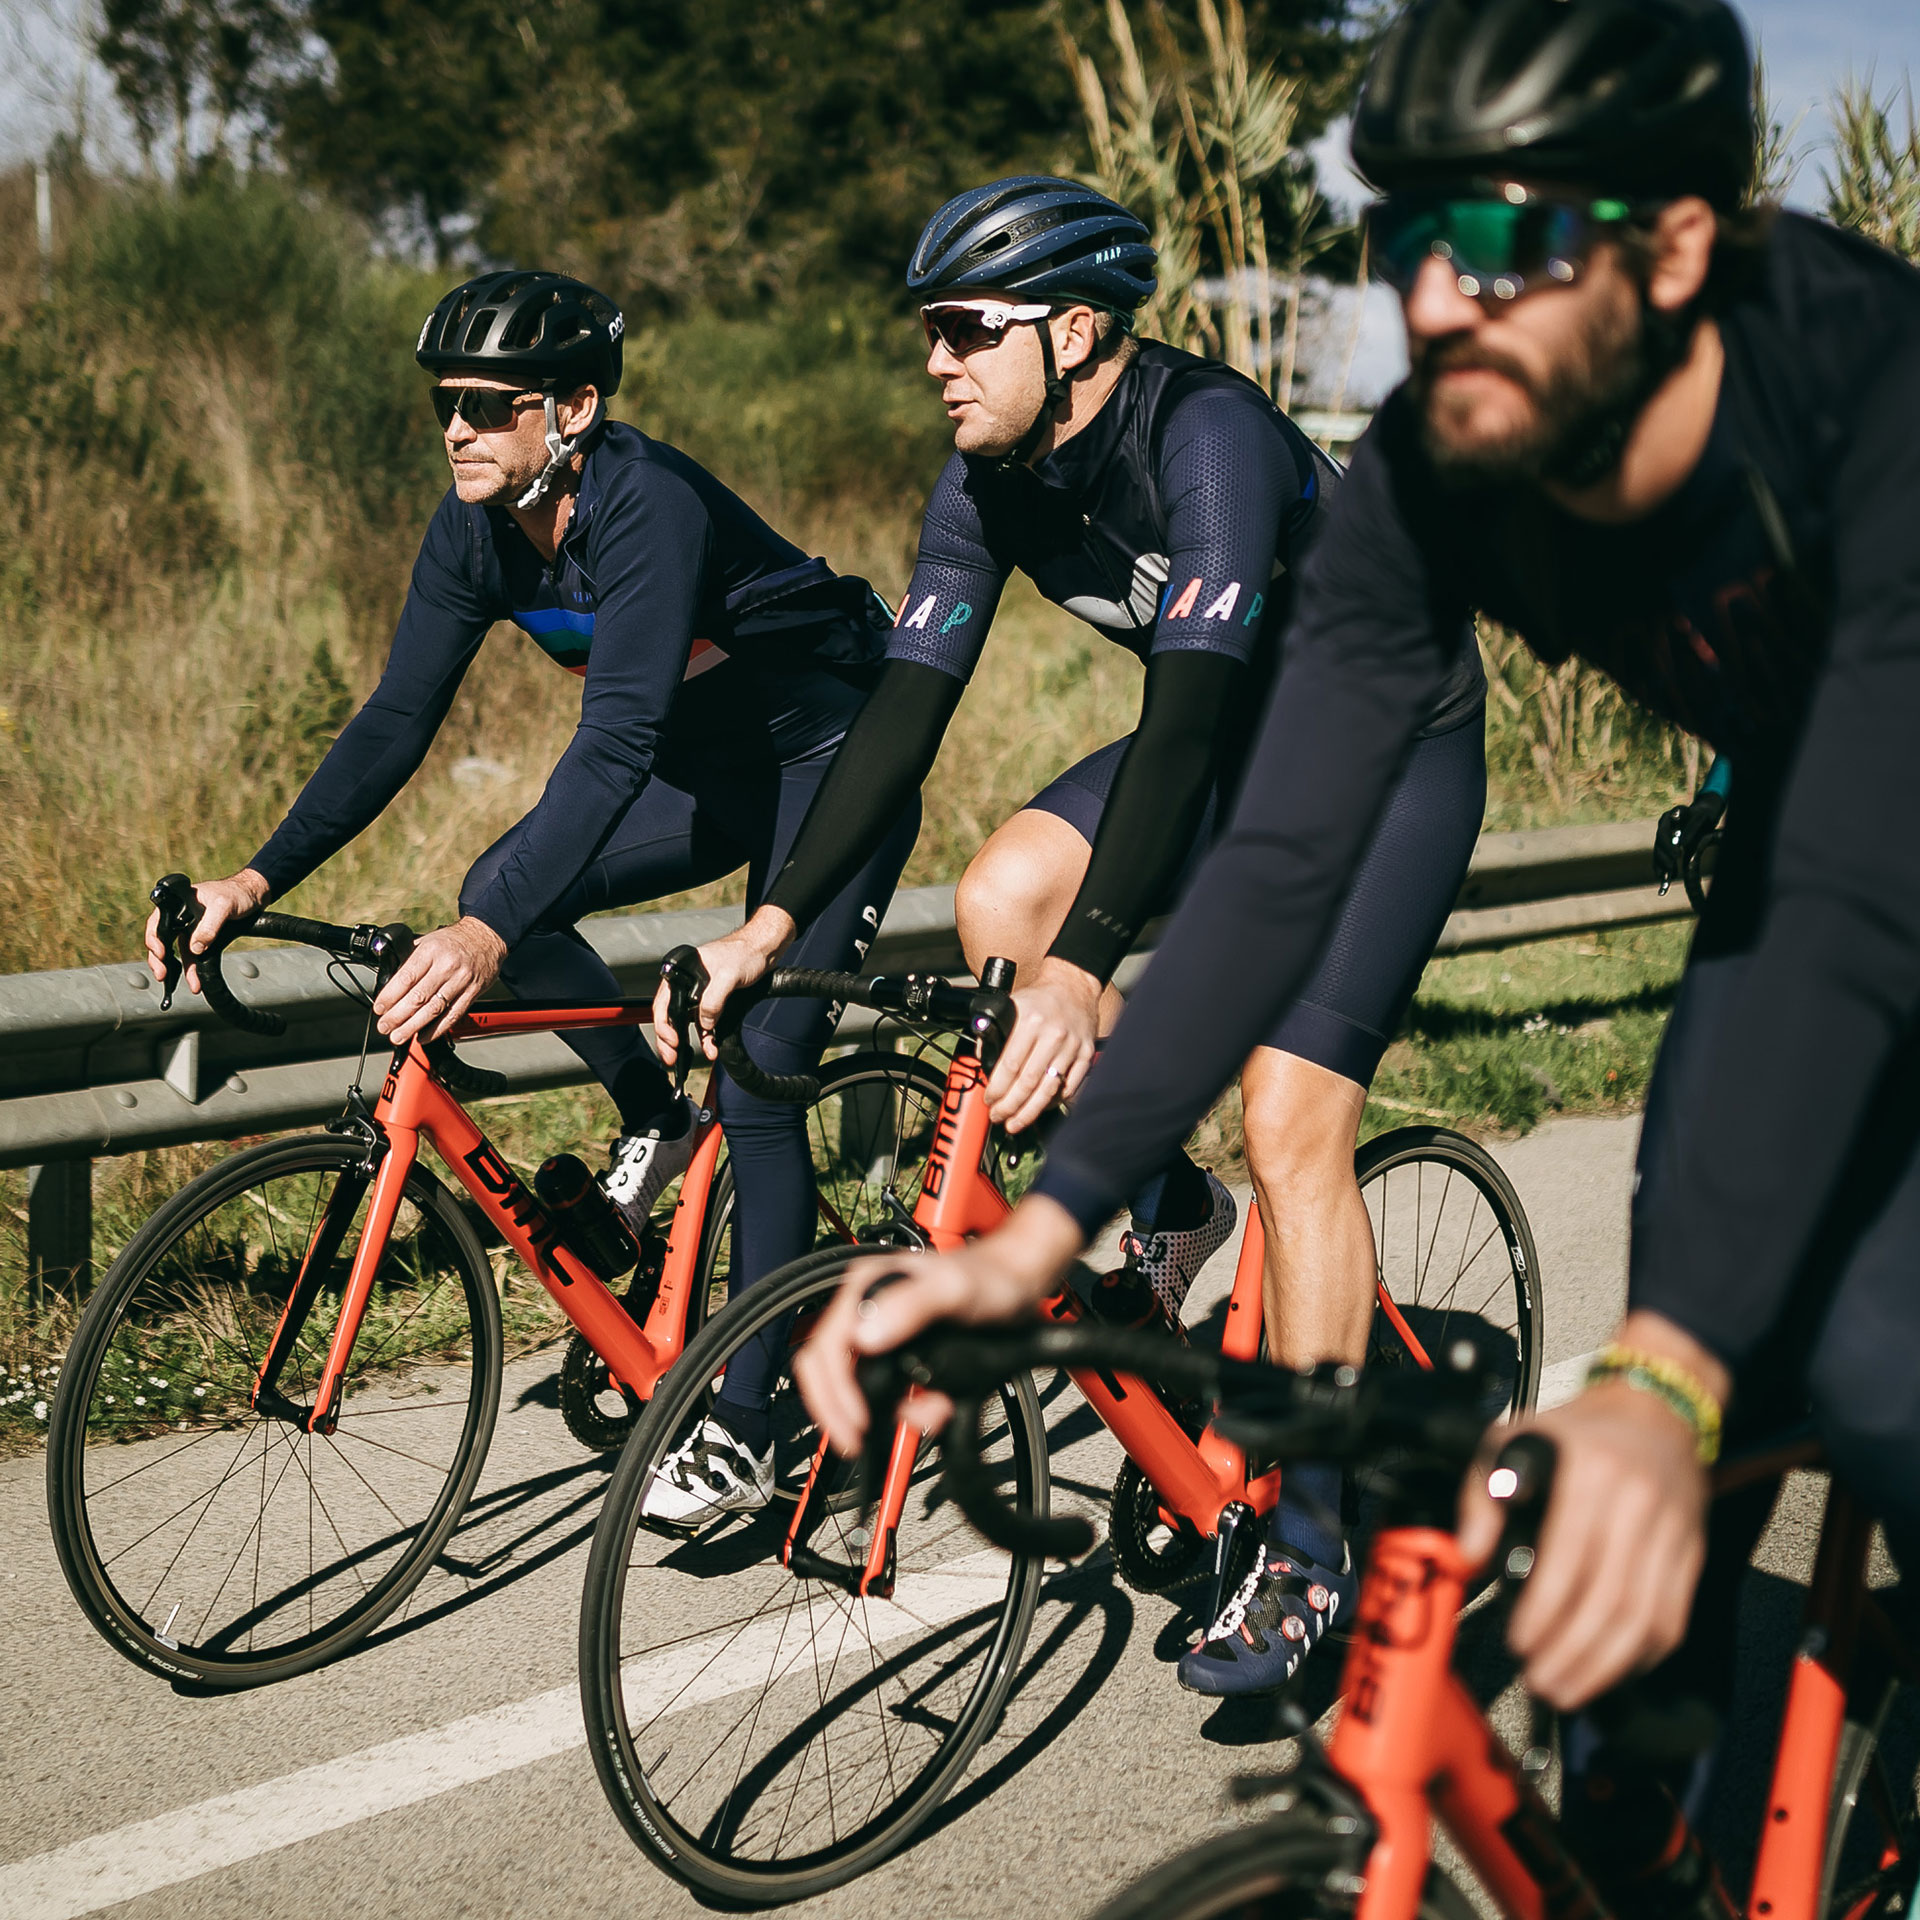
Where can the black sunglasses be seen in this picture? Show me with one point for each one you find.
(485, 409)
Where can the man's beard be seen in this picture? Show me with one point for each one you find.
(1581, 413)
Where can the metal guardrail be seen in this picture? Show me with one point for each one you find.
(89, 1065)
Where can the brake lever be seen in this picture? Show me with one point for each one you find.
(180, 912)
(687, 981)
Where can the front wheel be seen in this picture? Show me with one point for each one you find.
(868, 1133)
(765, 1736)
(210, 1541)
(1291, 1867)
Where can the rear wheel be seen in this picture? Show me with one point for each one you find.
(212, 1542)
(1455, 1261)
(765, 1736)
(1454, 1257)
(1287, 1868)
(869, 1132)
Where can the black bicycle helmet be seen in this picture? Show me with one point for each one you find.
(1648, 99)
(551, 332)
(1036, 235)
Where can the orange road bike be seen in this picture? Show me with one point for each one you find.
(1353, 1833)
(776, 1703)
(280, 1396)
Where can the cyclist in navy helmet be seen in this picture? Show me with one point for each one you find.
(1166, 501)
(719, 667)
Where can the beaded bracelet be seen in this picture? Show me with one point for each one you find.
(1681, 1389)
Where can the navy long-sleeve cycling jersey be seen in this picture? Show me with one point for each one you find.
(697, 631)
(1773, 605)
(1172, 523)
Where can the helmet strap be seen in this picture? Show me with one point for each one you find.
(559, 453)
(1050, 404)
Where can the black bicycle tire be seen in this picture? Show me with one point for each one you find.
(618, 1765)
(66, 1437)
(1235, 1873)
(1406, 1144)
(834, 1077)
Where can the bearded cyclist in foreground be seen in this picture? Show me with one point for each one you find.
(719, 668)
(1166, 501)
(1682, 442)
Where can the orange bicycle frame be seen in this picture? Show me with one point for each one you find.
(413, 1104)
(1414, 1742)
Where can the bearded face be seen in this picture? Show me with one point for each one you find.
(1541, 388)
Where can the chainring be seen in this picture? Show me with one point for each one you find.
(1150, 1556)
(586, 1392)
(586, 1397)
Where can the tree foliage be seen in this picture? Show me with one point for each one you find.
(193, 74)
(681, 152)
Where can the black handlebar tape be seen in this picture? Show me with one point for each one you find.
(222, 999)
(307, 933)
(1027, 1535)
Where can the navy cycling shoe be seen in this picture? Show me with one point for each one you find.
(1279, 1615)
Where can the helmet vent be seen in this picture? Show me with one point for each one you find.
(475, 335)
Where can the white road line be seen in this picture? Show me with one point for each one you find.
(111, 1867)
(1560, 1382)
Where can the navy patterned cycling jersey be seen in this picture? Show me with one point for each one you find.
(704, 640)
(1771, 603)
(1172, 522)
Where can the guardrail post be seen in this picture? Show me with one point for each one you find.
(59, 1229)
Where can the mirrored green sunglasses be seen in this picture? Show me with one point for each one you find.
(1500, 240)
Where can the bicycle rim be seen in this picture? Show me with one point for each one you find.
(765, 1737)
(1455, 1258)
(1287, 1868)
(209, 1542)
(1872, 1829)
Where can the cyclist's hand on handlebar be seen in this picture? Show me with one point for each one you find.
(734, 962)
(1625, 1534)
(446, 972)
(1004, 1276)
(1051, 1047)
(220, 900)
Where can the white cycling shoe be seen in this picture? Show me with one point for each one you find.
(1171, 1262)
(641, 1166)
(708, 1475)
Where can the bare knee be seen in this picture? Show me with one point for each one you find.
(1017, 889)
(1302, 1124)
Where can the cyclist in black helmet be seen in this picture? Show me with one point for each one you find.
(719, 668)
(1169, 503)
(1681, 440)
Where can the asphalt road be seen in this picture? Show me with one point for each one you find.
(126, 1797)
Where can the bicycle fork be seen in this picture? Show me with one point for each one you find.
(875, 1579)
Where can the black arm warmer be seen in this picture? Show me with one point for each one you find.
(889, 750)
(1158, 800)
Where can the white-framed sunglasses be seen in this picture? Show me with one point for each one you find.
(965, 326)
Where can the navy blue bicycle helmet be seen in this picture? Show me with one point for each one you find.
(1651, 99)
(1033, 234)
(552, 332)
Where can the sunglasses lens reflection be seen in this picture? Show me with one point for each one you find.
(481, 408)
(959, 331)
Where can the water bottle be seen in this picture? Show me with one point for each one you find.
(589, 1223)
